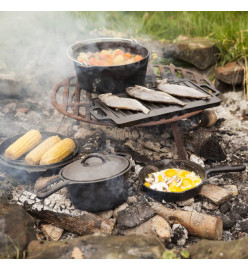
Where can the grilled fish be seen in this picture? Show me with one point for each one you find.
(180, 90)
(147, 94)
(122, 103)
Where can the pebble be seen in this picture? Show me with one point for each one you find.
(186, 202)
(179, 234)
(233, 189)
(209, 206)
(197, 160)
(197, 206)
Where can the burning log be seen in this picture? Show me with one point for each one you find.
(57, 210)
(206, 145)
(197, 224)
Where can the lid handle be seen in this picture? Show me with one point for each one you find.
(103, 158)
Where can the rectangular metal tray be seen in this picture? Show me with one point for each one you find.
(123, 118)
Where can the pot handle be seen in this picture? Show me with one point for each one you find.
(100, 156)
(46, 191)
(223, 169)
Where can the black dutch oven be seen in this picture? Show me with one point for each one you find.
(185, 165)
(95, 183)
(109, 79)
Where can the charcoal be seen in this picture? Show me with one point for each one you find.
(225, 207)
(227, 222)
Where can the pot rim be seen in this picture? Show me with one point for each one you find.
(70, 181)
(71, 49)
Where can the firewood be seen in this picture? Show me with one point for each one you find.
(197, 224)
(155, 226)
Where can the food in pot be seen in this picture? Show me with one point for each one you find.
(34, 157)
(122, 103)
(23, 144)
(172, 180)
(146, 94)
(58, 152)
(180, 90)
(108, 57)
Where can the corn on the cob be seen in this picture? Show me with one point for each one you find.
(34, 157)
(58, 152)
(23, 144)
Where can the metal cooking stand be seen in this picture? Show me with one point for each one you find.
(74, 99)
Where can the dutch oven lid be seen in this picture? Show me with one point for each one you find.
(95, 167)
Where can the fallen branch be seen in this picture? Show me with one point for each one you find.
(197, 224)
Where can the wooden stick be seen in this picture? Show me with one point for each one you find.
(197, 224)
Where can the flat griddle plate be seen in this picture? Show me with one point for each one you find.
(123, 118)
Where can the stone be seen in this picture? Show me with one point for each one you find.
(134, 215)
(227, 222)
(244, 225)
(233, 189)
(155, 226)
(52, 232)
(200, 52)
(197, 160)
(209, 206)
(241, 209)
(180, 234)
(215, 194)
(99, 247)
(16, 230)
(186, 202)
(232, 73)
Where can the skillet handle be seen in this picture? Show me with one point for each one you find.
(223, 169)
(46, 191)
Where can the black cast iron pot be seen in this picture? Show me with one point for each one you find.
(109, 79)
(185, 165)
(96, 183)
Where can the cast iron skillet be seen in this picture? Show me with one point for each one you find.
(185, 165)
(19, 168)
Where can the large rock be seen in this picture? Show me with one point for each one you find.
(200, 52)
(232, 73)
(16, 230)
(98, 247)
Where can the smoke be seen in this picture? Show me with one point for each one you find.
(34, 46)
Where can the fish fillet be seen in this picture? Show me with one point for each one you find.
(122, 103)
(147, 94)
(180, 90)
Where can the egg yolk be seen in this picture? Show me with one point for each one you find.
(170, 172)
(183, 174)
(160, 178)
(147, 184)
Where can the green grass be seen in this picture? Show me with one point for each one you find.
(228, 28)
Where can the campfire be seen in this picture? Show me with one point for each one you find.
(101, 186)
